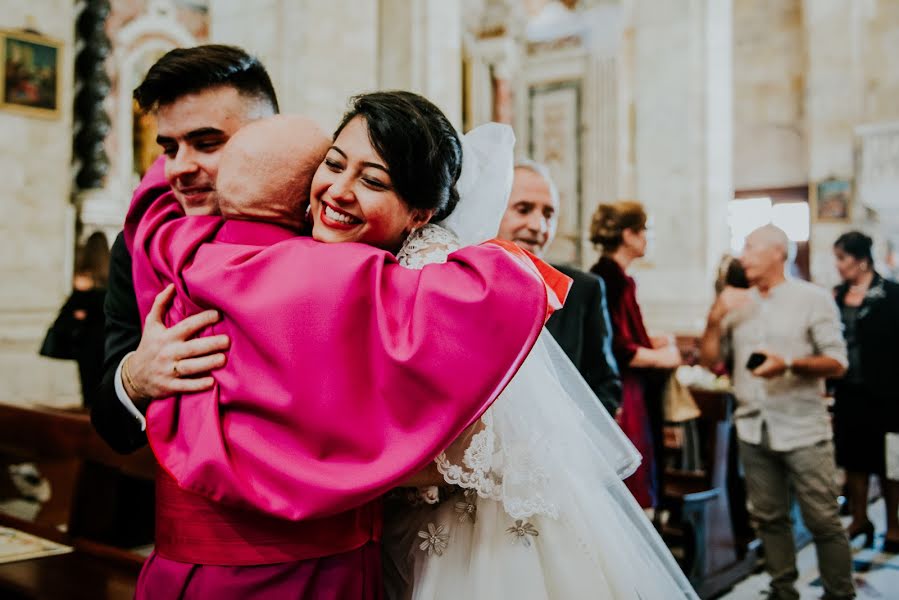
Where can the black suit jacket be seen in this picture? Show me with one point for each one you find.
(123, 331)
(584, 332)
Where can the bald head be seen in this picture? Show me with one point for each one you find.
(766, 251)
(770, 236)
(266, 169)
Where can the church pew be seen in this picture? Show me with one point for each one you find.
(707, 523)
(101, 503)
(50, 433)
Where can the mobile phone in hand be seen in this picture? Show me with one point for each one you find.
(755, 360)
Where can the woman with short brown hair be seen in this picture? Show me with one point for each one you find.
(620, 230)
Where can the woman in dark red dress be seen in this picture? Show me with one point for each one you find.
(620, 229)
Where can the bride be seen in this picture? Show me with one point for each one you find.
(530, 502)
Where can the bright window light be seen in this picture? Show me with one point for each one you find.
(793, 218)
(744, 217)
(747, 215)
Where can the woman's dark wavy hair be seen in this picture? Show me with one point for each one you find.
(422, 150)
(185, 71)
(857, 245)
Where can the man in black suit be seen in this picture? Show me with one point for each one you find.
(582, 328)
(201, 96)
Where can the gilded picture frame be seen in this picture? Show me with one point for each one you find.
(31, 74)
(831, 200)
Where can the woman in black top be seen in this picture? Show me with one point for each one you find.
(867, 398)
(77, 333)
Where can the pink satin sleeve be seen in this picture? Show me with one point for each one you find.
(347, 373)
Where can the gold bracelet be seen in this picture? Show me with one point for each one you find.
(127, 375)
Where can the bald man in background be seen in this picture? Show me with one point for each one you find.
(785, 338)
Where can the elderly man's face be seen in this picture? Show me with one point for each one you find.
(532, 216)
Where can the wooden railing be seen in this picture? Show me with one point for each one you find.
(708, 524)
(100, 503)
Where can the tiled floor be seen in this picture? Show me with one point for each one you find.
(876, 573)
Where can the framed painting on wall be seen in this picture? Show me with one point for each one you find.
(31, 74)
(555, 141)
(832, 200)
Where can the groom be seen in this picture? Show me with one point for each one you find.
(201, 96)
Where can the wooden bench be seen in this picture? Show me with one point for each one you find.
(101, 503)
(708, 521)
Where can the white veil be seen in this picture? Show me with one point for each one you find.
(550, 452)
(484, 186)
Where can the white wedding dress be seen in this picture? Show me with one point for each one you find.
(534, 506)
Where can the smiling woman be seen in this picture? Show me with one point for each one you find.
(392, 168)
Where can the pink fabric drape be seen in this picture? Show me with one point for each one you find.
(347, 373)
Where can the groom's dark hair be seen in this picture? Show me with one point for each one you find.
(422, 150)
(185, 71)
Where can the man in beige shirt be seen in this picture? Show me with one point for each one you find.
(781, 417)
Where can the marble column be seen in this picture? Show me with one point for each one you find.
(683, 136)
(770, 146)
(317, 53)
(493, 66)
(833, 106)
(421, 51)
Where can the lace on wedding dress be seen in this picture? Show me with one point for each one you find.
(467, 463)
(478, 461)
(427, 245)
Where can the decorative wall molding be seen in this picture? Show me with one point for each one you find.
(597, 136)
(877, 168)
(92, 87)
(137, 45)
(877, 188)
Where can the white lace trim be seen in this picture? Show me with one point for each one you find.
(427, 245)
(511, 475)
(476, 473)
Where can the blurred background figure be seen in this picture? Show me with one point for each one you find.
(784, 339)
(866, 406)
(619, 229)
(77, 332)
(730, 274)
